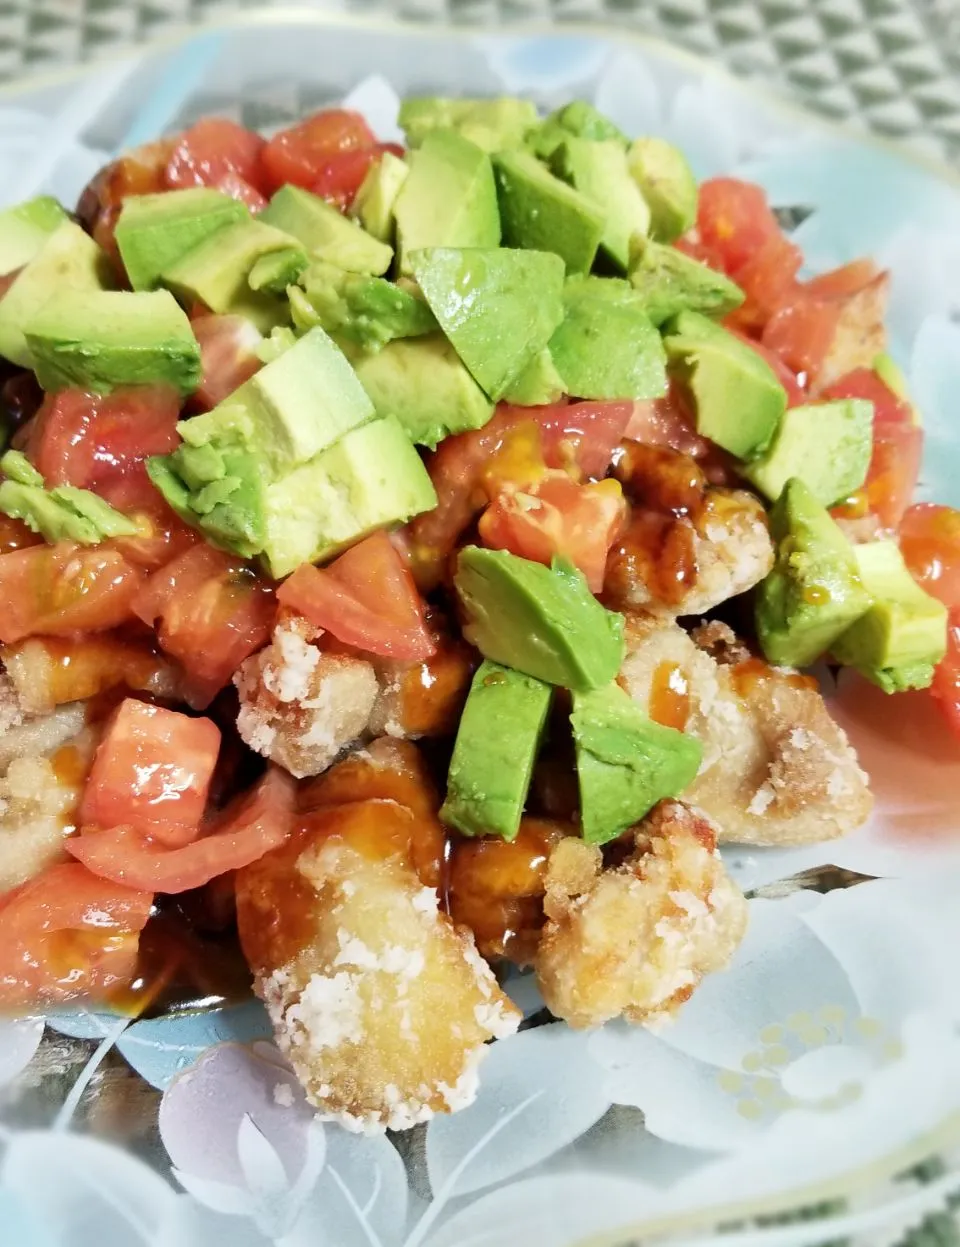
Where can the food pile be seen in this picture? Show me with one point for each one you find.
(409, 557)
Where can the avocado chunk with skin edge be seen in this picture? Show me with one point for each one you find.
(541, 620)
(540, 212)
(828, 445)
(899, 641)
(670, 282)
(494, 753)
(813, 592)
(155, 231)
(626, 762)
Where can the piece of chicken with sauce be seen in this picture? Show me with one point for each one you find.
(776, 769)
(689, 545)
(634, 940)
(382, 1005)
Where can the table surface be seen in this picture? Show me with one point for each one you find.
(890, 66)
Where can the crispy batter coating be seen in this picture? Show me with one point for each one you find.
(299, 706)
(635, 940)
(776, 768)
(381, 1004)
(860, 335)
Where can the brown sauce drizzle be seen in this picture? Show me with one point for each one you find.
(670, 696)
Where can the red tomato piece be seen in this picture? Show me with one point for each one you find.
(893, 472)
(930, 542)
(300, 153)
(56, 590)
(210, 150)
(800, 334)
(558, 516)
(152, 771)
(14, 535)
(734, 220)
(339, 179)
(85, 439)
(864, 383)
(66, 933)
(228, 356)
(161, 535)
(366, 598)
(258, 821)
(214, 611)
(946, 679)
(667, 422)
(842, 282)
(239, 188)
(768, 279)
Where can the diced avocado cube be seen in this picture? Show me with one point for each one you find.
(99, 339)
(372, 478)
(449, 198)
(493, 756)
(424, 383)
(25, 228)
(368, 311)
(626, 762)
(217, 272)
(900, 640)
(814, 591)
(540, 212)
(579, 120)
(671, 282)
(738, 399)
(273, 273)
(492, 124)
(228, 508)
(326, 233)
(599, 170)
(155, 231)
(375, 201)
(539, 384)
(60, 514)
(667, 183)
(498, 307)
(543, 621)
(827, 445)
(68, 260)
(606, 345)
(290, 410)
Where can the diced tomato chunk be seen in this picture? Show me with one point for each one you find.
(228, 356)
(768, 279)
(734, 220)
(210, 150)
(258, 821)
(366, 598)
(239, 188)
(892, 475)
(339, 179)
(800, 334)
(56, 590)
(930, 542)
(557, 516)
(213, 612)
(152, 771)
(67, 933)
(946, 679)
(864, 383)
(300, 153)
(842, 282)
(14, 535)
(161, 535)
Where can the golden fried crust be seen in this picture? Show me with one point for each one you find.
(776, 769)
(634, 941)
(379, 1002)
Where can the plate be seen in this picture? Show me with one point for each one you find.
(812, 1092)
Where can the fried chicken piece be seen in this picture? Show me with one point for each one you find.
(635, 940)
(776, 768)
(299, 706)
(380, 1003)
(424, 698)
(860, 334)
(31, 738)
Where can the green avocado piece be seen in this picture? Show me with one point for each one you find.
(96, 340)
(449, 198)
(374, 203)
(60, 514)
(68, 260)
(371, 478)
(368, 311)
(671, 282)
(274, 272)
(814, 591)
(497, 742)
(217, 272)
(667, 184)
(280, 338)
(606, 346)
(738, 399)
(228, 508)
(25, 228)
(828, 445)
(492, 124)
(543, 621)
(900, 640)
(579, 120)
(538, 384)
(155, 231)
(424, 383)
(626, 762)
(599, 170)
(498, 307)
(540, 212)
(325, 232)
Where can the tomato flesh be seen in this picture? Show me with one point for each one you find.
(239, 188)
(228, 357)
(891, 476)
(945, 688)
(864, 383)
(152, 771)
(211, 150)
(734, 221)
(930, 543)
(300, 153)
